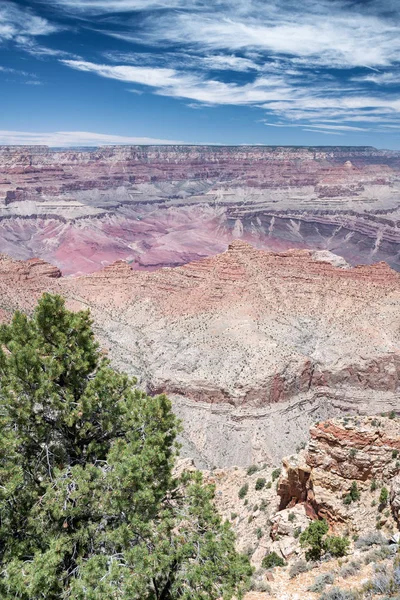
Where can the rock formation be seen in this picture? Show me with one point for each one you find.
(167, 205)
(251, 346)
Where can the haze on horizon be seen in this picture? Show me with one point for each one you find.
(273, 72)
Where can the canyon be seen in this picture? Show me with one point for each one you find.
(81, 209)
(251, 346)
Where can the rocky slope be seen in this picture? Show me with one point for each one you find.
(252, 346)
(269, 515)
(167, 205)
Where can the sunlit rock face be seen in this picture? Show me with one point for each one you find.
(167, 205)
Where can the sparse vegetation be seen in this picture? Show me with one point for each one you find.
(275, 474)
(336, 545)
(371, 538)
(321, 581)
(291, 517)
(243, 491)
(374, 485)
(316, 541)
(350, 569)
(384, 496)
(353, 495)
(252, 469)
(272, 560)
(301, 566)
(338, 594)
(260, 483)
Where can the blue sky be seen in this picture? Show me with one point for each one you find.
(93, 72)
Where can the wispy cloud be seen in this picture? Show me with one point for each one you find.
(75, 138)
(179, 84)
(16, 21)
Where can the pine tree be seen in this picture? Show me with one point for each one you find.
(89, 506)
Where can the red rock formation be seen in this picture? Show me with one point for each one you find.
(341, 452)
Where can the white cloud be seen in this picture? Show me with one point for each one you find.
(380, 78)
(170, 82)
(15, 21)
(115, 6)
(75, 138)
(326, 32)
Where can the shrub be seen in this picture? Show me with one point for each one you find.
(259, 533)
(350, 569)
(263, 504)
(275, 474)
(298, 567)
(395, 454)
(291, 517)
(260, 586)
(392, 414)
(336, 545)
(352, 453)
(297, 532)
(260, 483)
(252, 469)
(338, 594)
(233, 516)
(268, 485)
(384, 496)
(381, 584)
(312, 538)
(243, 491)
(272, 560)
(374, 485)
(320, 582)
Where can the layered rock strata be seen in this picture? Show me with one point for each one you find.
(252, 346)
(82, 209)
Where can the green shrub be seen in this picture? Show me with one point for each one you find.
(272, 560)
(384, 496)
(354, 493)
(233, 516)
(297, 532)
(275, 474)
(252, 469)
(395, 454)
(260, 483)
(312, 539)
(259, 533)
(243, 491)
(374, 485)
(392, 414)
(268, 485)
(291, 517)
(336, 545)
(263, 504)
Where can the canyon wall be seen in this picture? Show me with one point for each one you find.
(153, 206)
(252, 346)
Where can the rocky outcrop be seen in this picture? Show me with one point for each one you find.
(168, 205)
(351, 453)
